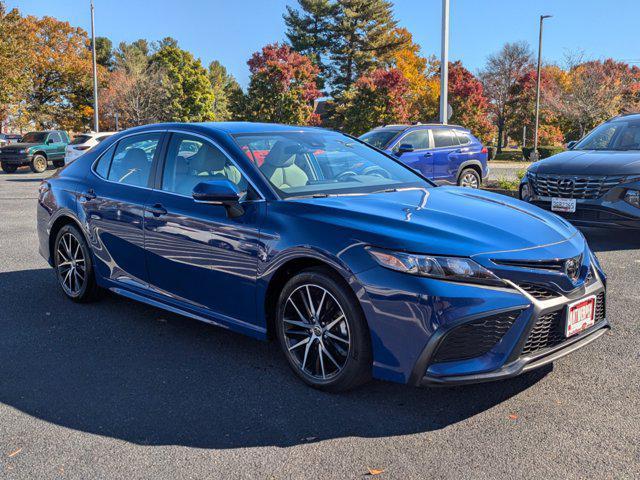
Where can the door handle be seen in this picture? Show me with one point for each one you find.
(157, 210)
(89, 194)
(428, 154)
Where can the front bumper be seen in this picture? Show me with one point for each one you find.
(597, 213)
(16, 159)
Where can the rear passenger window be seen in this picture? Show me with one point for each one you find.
(444, 138)
(463, 137)
(132, 159)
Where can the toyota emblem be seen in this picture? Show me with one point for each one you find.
(572, 268)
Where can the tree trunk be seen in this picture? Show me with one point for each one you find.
(500, 135)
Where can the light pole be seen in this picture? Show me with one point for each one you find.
(444, 64)
(535, 133)
(96, 126)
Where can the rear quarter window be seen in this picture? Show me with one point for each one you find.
(79, 139)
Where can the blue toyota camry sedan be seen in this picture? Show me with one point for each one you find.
(276, 232)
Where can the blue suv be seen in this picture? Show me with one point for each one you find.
(446, 154)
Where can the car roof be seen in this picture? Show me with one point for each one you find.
(230, 128)
(626, 116)
(418, 126)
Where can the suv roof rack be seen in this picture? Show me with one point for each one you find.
(428, 124)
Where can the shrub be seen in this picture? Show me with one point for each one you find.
(544, 151)
(513, 155)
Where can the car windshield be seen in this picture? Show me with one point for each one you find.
(34, 137)
(323, 163)
(617, 135)
(380, 138)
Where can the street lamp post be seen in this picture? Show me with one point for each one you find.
(535, 133)
(95, 75)
(444, 65)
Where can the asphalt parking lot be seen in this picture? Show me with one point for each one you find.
(116, 389)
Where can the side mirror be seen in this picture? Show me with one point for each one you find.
(50, 141)
(571, 144)
(404, 148)
(219, 192)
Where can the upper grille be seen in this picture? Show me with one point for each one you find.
(475, 338)
(539, 292)
(568, 186)
(549, 329)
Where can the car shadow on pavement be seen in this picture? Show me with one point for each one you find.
(606, 240)
(125, 370)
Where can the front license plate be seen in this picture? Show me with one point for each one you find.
(580, 315)
(567, 205)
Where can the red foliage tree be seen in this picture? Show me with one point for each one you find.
(282, 87)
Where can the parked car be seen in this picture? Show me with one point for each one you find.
(35, 149)
(596, 182)
(3, 139)
(446, 154)
(13, 138)
(355, 275)
(82, 143)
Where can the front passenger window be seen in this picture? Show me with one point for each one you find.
(191, 160)
(132, 159)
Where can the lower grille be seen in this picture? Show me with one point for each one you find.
(538, 292)
(475, 338)
(549, 329)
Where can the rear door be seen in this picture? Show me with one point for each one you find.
(196, 254)
(421, 158)
(445, 155)
(113, 203)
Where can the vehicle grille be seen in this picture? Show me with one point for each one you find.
(568, 186)
(475, 338)
(539, 292)
(549, 329)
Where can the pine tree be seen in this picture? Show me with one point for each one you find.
(361, 39)
(309, 31)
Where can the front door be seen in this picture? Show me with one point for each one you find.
(114, 208)
(196, 254)
(55, 146)
(420, 158)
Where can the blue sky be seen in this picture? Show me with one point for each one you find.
(230, 30)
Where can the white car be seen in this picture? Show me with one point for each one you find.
(82, 143)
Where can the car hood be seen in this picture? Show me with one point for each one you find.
(22, 145)
(590, 162)
(441, 220)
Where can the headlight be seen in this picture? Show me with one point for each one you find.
(23, 150)
(632, 197)
(456, 269)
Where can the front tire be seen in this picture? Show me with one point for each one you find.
(322, 331)
(38, 163)
(9, 168)
(469, 178)
(73, 265)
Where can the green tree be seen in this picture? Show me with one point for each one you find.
(282, 87)
(222, 85)
(362, 39)
(310, 32)
(191, 98)
(104, 52)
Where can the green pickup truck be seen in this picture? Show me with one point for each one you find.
(35, 149)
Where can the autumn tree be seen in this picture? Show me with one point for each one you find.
(499, 76)
(468, 101)
(375, 99)
(190, 98)
(282, 87)
(310, 32)
(104, 52)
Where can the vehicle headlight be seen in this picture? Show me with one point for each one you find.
(23, 150)
(457, 269)
(632, 197)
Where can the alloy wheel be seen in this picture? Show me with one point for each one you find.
(316, 332)
(469, 180)
(71, 262)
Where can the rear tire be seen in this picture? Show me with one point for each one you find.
(9, 168)
(73, 265)
(58, 164)
(38, 163)
(469, 178)
(330, 349)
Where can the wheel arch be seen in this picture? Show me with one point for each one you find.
(286, 270)
(473, 164)
(62, 220)
(41, 152)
